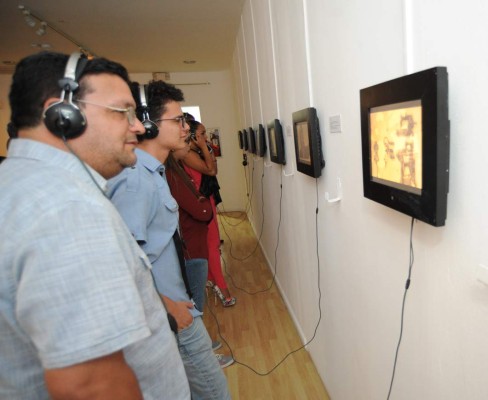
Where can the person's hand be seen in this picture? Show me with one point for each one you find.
(180, 311)
(201, 141)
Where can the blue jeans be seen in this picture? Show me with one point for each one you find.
(207, 381)
(197, 272)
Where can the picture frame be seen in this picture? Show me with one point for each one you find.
(276, 142)
(405, 144)
(260, 141)
(308, 143)
(214, 136)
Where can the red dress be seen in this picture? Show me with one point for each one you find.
(213, 237)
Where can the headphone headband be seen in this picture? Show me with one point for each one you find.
(152, 129)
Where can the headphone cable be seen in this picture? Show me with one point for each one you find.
(319, 306)
(407, 285)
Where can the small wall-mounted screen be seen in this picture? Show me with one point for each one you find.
(396, 145)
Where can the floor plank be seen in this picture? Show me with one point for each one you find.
(258, 329)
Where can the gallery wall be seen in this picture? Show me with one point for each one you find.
(353, 255)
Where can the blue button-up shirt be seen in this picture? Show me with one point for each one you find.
(143, 198)
(74, 284)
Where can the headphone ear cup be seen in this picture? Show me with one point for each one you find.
(65, 120)
(152, 129)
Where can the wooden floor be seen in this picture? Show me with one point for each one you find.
(258, 329)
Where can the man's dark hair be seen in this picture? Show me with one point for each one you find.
(36, 79)
(158, 94)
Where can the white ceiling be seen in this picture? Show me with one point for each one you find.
(144, 35)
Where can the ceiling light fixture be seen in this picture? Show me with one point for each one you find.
(42, 29)
(31, 19)
(28, 18)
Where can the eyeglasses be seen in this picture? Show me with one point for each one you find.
(181, 119)
(129, 111)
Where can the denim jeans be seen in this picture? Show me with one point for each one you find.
(207, 381)
(197, 272)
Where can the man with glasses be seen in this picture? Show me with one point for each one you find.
(79, 316)
(143, 198)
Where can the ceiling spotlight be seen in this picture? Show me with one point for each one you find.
(44, 46)
(28, 18)
(42, 29)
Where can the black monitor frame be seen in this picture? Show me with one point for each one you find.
(251, 139)
(276, 142)
(392, 175)
(308, 143)
(240, 139)
(245, 140)
(260, 141)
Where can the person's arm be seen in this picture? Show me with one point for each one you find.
(179, 310)
(199, 208)
(107, 377)
(208, 165)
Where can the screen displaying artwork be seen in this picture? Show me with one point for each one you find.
(396, 145)
(308, 143)
(276, 142)
(260, 141)
(304, 155)
(251, 140)
(240, 140)
(405, 144)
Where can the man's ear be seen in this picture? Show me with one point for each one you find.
(49, 102)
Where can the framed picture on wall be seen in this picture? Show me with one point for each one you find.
(214, 135)
(308, 144)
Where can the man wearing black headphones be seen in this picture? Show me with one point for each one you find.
(79, 316)
(143, 198)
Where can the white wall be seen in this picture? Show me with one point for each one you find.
(291, 54)
(214, 93)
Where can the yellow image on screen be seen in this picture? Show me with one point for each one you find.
(396, 145)
(272, 143)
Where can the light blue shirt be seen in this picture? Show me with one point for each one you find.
(74, 285)
(143, 198)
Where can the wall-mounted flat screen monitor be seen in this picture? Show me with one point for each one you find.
(308, 144)
(276, 142)
(251, 139)
(240, 139)
(260, 141)
(405, 144)
(245, 140)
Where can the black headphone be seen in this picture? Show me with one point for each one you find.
(151, 128)
(63, 118)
